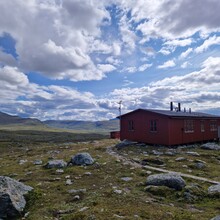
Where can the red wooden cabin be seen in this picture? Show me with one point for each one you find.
(163, 127)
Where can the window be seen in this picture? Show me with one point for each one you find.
(153, 125)
(202, 126)
(131, 125)
(189, 126)
(213, 125)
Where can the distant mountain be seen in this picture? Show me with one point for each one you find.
(111, 125)
(6, 119)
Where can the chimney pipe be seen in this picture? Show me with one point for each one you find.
(190, 110)
(171, 106)
(179, 107)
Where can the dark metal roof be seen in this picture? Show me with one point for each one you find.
(178, 113)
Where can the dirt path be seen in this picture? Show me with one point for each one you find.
(137, 165)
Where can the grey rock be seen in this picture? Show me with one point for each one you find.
(216, 218)
(125, 143)
(155, 152)
(126, 179)
(171, 180)
(55, 164)
(82, 159)
(214, 190)
(180, 159)
(192, 153)
(210, 146)
(38, 162)
(77, 191)
(12, 201)
(199, 165)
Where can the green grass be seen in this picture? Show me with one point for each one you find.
(51, 199)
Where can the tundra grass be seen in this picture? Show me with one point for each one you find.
(107, 196)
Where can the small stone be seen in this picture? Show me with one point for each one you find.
(59, 171)
(180, 159)
(69, 182)
(193, 153)
(77, 191)
(126, 179)
(118, 191)
(76, 198)
(38, 162)
(21, 162)
(83, 209)
(155, 152)
(88, 173)
(67, 177)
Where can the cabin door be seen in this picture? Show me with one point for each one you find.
(219, 132)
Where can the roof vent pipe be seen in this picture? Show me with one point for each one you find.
(171, 106)
(179, 107)
(190, 110)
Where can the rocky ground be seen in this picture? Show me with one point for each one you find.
(96, 180)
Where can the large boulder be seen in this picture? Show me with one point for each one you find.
(214, 190)
(82, 159)
(210, 146)
(171, 180)
(12, 201)
(55, 164)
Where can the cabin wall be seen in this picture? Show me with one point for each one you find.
(142, 124)
(178, 135)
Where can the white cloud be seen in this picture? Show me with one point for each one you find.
(167, 64)
(12, 76)
(185, 54)
(106, 67)
(180, 43)
(144, 67)
(192, 89)
(164, 51)
(55, 37)
(207, 43)
(185, 65)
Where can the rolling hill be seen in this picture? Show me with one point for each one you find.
(110, 125)
(6, 119)
(89, 126)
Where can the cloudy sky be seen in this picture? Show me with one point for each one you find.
(76, 59)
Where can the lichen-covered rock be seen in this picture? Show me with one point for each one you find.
(210, 146)
(12, 201)
(170, 180)
(214, 190)
(82, 159)
(55, 164)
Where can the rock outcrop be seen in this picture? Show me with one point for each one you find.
(12, 201)
(170, 180)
